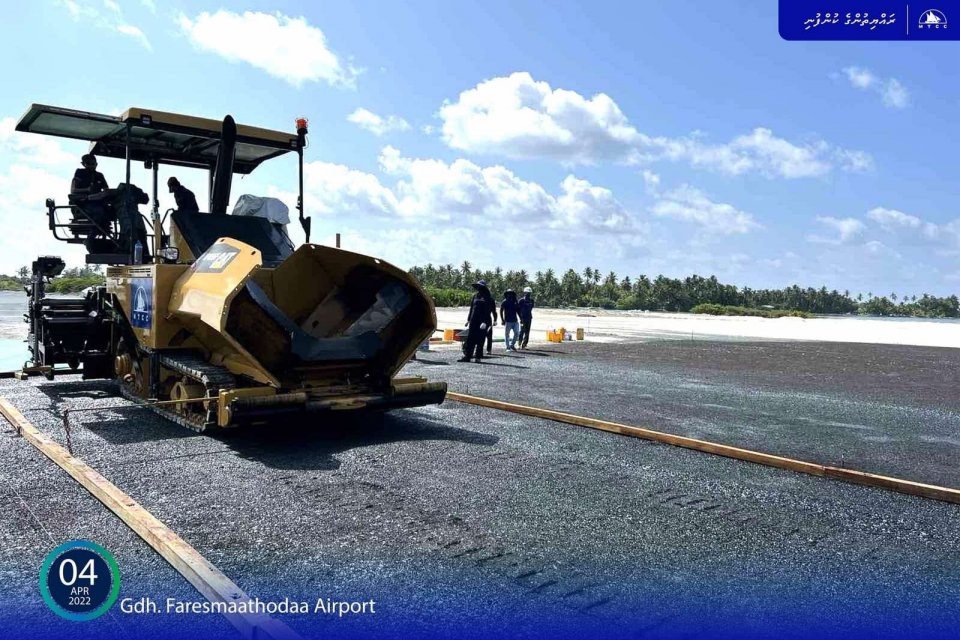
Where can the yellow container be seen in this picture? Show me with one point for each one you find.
(449, 334)
(579, 333)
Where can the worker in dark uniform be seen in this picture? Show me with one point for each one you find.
(88, 181)
(186, 201)
(491, 325)
(525, 311)
(482, 308)
(91, 202)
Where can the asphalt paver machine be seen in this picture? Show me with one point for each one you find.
(215, 319)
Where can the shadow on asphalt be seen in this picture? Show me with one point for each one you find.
(310, 442)
(314, 443)
(116, 426)
(431, 362)
(502, 364)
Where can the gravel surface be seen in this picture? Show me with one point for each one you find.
(462, 521)
(885, 409)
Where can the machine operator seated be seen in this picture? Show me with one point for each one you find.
(92, 215)
(98, 206)
(87, 180)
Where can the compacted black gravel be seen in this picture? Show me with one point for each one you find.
(461, 521)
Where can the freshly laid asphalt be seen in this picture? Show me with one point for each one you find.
(463, 521)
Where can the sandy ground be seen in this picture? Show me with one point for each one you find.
(614, 326)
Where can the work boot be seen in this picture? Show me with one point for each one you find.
(464, 359)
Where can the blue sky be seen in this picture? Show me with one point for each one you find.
(644, 137)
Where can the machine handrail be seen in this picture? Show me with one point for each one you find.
(75, 209)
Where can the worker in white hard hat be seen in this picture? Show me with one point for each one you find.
(525, 310)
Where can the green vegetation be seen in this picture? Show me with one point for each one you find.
(449, 297)
(730, 310)
(450, 286)
(70, 281)
(926, 306)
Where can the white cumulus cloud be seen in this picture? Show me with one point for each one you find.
(891, 91)
(895, 221)
(428, 191)
(450, 211)
(31, 148)
(846, 230)
(110, 18)
(651, 181)
(286, 48)
(519, 117)
(689, 204)
(760, 151)
(375, 124)
(136, 33)
(24, 235)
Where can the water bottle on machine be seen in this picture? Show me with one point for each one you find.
(138, 253)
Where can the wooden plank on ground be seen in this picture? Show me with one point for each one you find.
(900, 485)
(206, 578)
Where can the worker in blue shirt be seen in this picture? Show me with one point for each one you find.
(511, 321)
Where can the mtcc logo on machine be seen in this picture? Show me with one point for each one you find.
(932, 19)
(141, 302)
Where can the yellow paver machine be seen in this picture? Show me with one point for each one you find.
(216, 317)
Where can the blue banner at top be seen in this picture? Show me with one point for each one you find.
(870, 19)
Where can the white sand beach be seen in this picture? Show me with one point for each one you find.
(612, 326)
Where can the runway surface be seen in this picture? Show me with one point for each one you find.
(465, 521)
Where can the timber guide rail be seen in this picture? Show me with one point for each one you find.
(199, 572)
(945, 494)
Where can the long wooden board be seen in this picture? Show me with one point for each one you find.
(900, 485)
(206, 578)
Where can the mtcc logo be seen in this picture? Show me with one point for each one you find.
(141, 302)
(932, 19)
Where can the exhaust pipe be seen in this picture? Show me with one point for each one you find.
(223, 170)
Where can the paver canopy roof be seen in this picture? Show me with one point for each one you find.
(168, 138)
